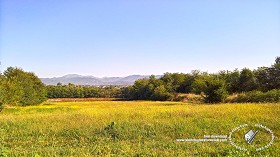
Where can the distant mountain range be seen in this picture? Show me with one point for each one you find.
(91, 80)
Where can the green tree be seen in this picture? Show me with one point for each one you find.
(160, 93)
(128, 92)
(247, 81)
(267, 78)
(185, 86)
(147, 89)
(232, 80)
(212, 88)
(141, 90)
(274, 75)
(173, 81)
(22, 88)
(263, 78)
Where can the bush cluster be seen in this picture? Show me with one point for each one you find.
(258, 96)
(21, 88)
(78, 91)
(213, 88)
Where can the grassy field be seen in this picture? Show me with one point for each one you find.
(130, 128)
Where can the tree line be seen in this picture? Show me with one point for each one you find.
(79, 91)
(212, 87)
(21, 88)
(18, 87)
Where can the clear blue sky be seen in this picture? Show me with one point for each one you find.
(124, 37)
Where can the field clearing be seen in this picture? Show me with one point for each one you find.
(130, 128)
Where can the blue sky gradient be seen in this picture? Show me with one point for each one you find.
(124, 37)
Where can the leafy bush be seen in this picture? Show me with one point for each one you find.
(258, 96)
(21, 88)
(147, 89)
(212, 88)
(79, 91)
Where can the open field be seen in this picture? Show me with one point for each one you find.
(130, 128)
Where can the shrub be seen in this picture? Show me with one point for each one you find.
(21, 88)
(258, 96)
(212, 88)
(147, 89)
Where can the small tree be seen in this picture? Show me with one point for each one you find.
(247, 81)
(22, 88)
(212, 88)
(160, 93)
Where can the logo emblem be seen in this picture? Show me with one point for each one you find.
(250, 135)
(265, 137)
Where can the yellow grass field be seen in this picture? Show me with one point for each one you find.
(133, 128)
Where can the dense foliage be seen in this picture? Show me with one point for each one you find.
(24, 88)
(21, 88)
(78, 91)
(147, 89)
(258, 96)
(212, 87)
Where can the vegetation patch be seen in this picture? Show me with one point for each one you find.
(131, 128)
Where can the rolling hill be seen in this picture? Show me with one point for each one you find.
(91, 80)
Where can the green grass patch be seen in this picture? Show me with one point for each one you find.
(130, 128)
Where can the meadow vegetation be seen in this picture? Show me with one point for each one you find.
(130, 128)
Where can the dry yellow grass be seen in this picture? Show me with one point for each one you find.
(129, 128)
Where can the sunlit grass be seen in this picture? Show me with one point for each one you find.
(143, 128)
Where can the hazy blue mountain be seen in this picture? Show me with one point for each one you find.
(91, 80)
